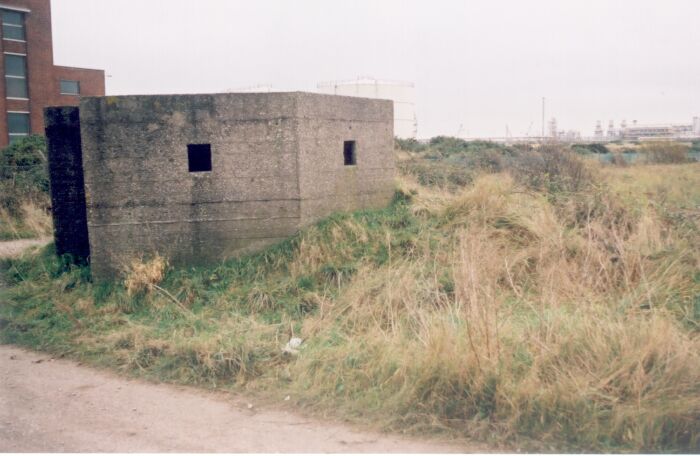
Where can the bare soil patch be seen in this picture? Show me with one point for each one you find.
(53, 405)
(11, 249)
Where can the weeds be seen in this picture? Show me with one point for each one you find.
(24, 185)
(549, 304)
(144, 276)
(664, 152)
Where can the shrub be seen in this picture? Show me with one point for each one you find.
(409, 145)
(447, 146)
(24, 185)
(436, 173)
(552, 169)
(593, 148)
(23, 174)
(664, 152)
(617, 159)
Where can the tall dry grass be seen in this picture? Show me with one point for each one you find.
(564, 323)
(555, 313)
(144, 275)
(33, 221)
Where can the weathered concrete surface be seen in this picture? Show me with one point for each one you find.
(49, 405)
(325, 184)
(277, 165)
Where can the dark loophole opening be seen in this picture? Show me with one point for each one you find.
(199, 157)
(349, 153)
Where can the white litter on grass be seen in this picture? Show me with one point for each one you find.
(292, 346)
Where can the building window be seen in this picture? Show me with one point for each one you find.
(13, 25)
(199, 157)
(349, 153)
(70, 87)
(16, 76)
(17, 125)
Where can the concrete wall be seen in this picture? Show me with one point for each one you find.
(277, 164)
(141, 198)
(326, 184)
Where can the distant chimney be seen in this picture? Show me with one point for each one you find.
(598, 130)
(611, 129)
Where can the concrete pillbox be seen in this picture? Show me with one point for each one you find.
(265, 165)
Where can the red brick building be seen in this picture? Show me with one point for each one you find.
(30, 80)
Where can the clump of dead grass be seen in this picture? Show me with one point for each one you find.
(144, 276)
(33, 221)
(36, 219)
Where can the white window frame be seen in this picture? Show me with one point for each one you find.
(14, 39)
(19, 135)
(69, 94)
(24, 25)
(19, 77)
(18, 9)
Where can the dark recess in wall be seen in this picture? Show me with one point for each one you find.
(66, 179)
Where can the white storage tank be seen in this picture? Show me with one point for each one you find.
(401, 93)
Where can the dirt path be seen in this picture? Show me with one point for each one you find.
(9, 249)
(49, 405)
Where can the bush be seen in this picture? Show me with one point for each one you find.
(451, 163)
(24, 186)
(617, 159)
(664, 152)
(436, 173)
(593, 148)
(23, 174)
(409, 145)
(552, 169)
(448, 146)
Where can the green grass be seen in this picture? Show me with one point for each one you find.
(504, 309)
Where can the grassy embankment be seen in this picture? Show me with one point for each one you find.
(512, 296)
(24, 190)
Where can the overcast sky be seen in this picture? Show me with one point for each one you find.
(479, 64)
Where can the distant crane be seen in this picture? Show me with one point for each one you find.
(542, 117)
